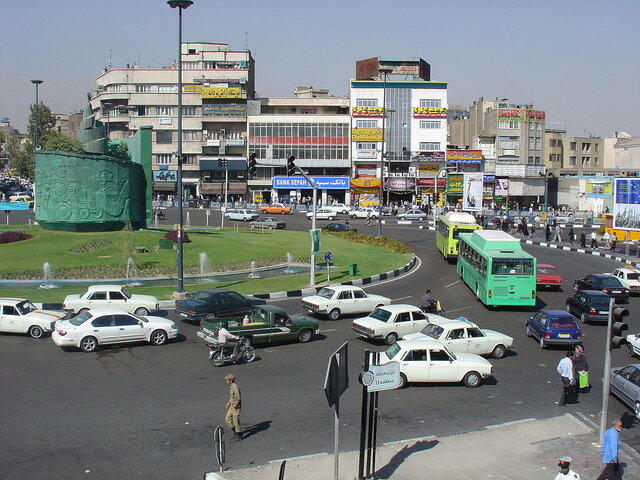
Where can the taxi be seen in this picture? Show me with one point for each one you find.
(21, 198)
(276, 208)
(629, 277)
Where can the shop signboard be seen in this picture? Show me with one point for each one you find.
(455, 183)
(366, 171)
(626, 204)
(366, 134)
(221, 92)
(429, 157)
(400, 184)
(165, 176)
(598, 187)
(324, 183)
(224, 110)
(464, 156)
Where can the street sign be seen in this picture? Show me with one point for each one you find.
(315, 241)
(381, 377)
(336, 380)
(328, 257)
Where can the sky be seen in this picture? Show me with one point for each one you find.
(577, 60)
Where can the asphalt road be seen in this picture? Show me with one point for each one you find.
(141, 410)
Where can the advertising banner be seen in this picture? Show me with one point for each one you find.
(464, 156)
(224, 110)
(472, 194)
(429, 157)
(221, 92)
(366, 171)
(165, 176)
(454, 183)
(367, 111)
(626, 204)
(502, 187)
(430, 112)
(315, 241)
(598, 187)
(324, 183)
(366, 134)
(402, 184)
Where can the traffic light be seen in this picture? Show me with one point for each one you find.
(618, 327)
(253, 165)
(291, 166)
(222, 162)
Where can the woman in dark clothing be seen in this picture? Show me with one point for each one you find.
(580, 367)
(583, 240)
(547, 233)
(572, 235)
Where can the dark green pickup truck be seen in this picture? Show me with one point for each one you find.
(268, 324)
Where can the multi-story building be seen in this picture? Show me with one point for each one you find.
(511, 139)
(218, 87)
(68, 123)
(413, 116)
(311, 126)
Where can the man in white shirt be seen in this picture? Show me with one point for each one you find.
(227, 338)
(565, 369)
(565, 472)
(594, 240)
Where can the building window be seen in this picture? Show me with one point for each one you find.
(595, 161)
(189, 135)
(189, 65)
(430, 123)
(167, 88)
(530, 161)
(366, 124)
(164, 110)
(366, 102)
(164, 136)
(509, 124)
(572, 146)
(596, 147)
(143, 88)
(115, 88)
(143, 110)
(189, 159)
(537, 160)
(429, 146)
(572, 160)
(430, 102)
(365, 146)
(532, 143)
(509, 142)
(209, 65)
(189, 110)
(538, 143)
(308, 111)
(163, 158)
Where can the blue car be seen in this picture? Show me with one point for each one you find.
(554, 327)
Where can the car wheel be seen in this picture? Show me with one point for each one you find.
(583, 319)
(576, 288)
(158, 337)
(354, 216)
(89, 344)
(330, 217)
(529, 333)
(500, 351)
(210, 317)
(630, 351)
(36, 332)
(248, 354)
(305, 335)
(253, 226)
(142, 312)
(403, 381)
(401, 218)
(541, 342)
(472, 380)
(636, 410)
(270, 227)
(391, 338)
(334, 314)
(283, 213)
(82, 310)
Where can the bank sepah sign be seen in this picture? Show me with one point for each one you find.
(324, 183)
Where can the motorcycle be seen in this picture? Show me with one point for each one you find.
(434, 308)
(220, 353)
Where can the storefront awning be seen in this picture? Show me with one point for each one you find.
(218, 188)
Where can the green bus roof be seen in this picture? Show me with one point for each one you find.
(494, 241)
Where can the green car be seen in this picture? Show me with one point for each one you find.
(266, 324)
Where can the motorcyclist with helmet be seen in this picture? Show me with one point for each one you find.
(228, 339)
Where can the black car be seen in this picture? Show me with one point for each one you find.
(339, 227)
(215, 303)
(605, 283)
(589, 306)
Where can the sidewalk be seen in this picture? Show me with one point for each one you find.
(524, 450)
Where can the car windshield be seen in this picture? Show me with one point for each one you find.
(380, 314)
(432, 330)
(563, 323)
(547, 271)
(25, 307)
(392, 351)
(326, 293)
(125, 292)
(80, 318)
(609, 282)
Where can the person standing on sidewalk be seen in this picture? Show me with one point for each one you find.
(594, 239)
(572, 235)
(613, 240)
(583, 240)
(609, 451)
(233, 407)
(556, 237)
(565, 472)
(565, 369)
(368, 222)
(606, 238)
(547, 233)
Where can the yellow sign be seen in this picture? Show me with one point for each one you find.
(367, 111)
(192, 88)
(428, 167)
(429, 112)
(366, 134)
(228, 92)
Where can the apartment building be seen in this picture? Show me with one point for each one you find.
(396, 100)
(218, 90)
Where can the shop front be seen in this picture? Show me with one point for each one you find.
(401, 190)
(365, 191)
(297, 190)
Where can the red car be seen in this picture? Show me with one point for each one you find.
(547, 276)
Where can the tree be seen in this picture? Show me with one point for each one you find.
(57, 142)
(119, 150)
(46, 121)
(20, 156)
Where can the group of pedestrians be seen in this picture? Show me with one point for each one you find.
(574, 374)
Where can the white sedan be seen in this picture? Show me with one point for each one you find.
(111, 296)
(367, 212)
(391, 322)
(338, 208)
(629, 277)
(633, 345)
(337, 300)
(463, 336)
(18, 315)
(324, 213)
(430, 361)
(90, 329)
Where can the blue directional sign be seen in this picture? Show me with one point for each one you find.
(328, 257)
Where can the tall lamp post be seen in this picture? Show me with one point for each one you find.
(35, 140)
(180, 5)
(383, 71)
(107, 106)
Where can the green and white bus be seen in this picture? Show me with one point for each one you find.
(493, 264)
(448, 227)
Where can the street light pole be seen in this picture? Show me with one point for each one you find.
(107, 106)
(35, 140)
(180, 5)
(383, 71)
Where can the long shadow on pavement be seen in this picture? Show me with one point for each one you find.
(397, 460)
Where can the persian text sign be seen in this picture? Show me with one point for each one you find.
(521, 114)
(367, 111)
(464, 156)
(222, 92)
(382, 377)
(439, 112)
(164, 176)
(366, 134)
(429, 157)
(324, 183)
(455, 183)
(626, 204)
(224, 110)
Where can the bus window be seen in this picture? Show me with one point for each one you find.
(512, 266)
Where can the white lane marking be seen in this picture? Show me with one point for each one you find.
(329, 330)
(452, 284)
(458, 309)
(401, 298)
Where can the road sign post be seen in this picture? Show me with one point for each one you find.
(327, 258)
(335, 383)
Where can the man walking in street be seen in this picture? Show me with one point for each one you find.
(233, 407)
(556, 237)
(609, 451)
(565, 369)
(594, 239)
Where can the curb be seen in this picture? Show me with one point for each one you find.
(586, 251)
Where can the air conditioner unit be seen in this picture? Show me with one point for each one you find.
(405, 174)
(412, 169)
(205, 132)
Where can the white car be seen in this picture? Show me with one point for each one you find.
(337, 300)
(338, 208)
(242, 215)
(423, 361)
(111, 296)
(391, 322)
(633, 345)
(463, 336)
(18, 315)
(629, 277)
(412, 215)
(323, 214)
(364, 213)
(90, 329)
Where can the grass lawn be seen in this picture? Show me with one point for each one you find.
(105, 254)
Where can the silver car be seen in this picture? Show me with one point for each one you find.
(625, 384)
(413, 214)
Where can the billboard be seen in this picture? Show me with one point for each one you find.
(626, 204)
(224, 110)
(366, 134)
(324, 183)
(221, 92)
(472, 192)
(502, 187)
(366, 69)
(464, 156)
(455, 183)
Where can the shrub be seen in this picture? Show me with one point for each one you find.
(10, 237)
(173, 236)
(88, 247)
(389, 243)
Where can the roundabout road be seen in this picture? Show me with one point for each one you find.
(132, 411)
